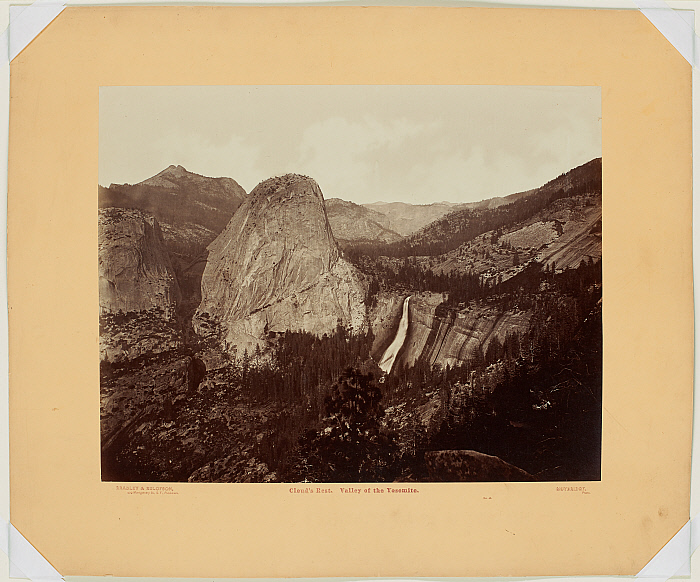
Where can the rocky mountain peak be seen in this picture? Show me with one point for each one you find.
(292, 210)
(277, 265)
(174, 170)
(190, 208)
(167, 178)
(278, 189)
(178, 178)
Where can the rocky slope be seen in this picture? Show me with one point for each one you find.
(463, 225)
(134, 267)
(354, 223)
(167, 423)
(439, 334)
(138, 335)
(176, 407)
(562, 226)
(191, 209)
(564, 233)
(277, 267)
(471, 466)
(581, 236)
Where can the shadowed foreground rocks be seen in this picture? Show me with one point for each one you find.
(471, 466)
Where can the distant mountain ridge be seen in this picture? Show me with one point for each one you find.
(458, 226)
(498, 200)
(192, 210)
(498, 303)
(355, 223)
(179, 178)
(407, 218)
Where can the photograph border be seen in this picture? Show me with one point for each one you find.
(640, 490)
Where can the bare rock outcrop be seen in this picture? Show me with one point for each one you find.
(276, 266)
(385, 316)
(135, 271)
(471, 466)
(445, 335)
(191, 210)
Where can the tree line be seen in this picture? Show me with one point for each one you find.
(293, 373)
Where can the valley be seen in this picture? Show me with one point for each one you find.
(279, 336)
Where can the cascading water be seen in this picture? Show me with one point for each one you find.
(387, 361)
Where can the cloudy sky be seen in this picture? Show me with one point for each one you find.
(416, 144)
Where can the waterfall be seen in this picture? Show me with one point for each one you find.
(387, 361)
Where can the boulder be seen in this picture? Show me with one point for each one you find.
(471, 466)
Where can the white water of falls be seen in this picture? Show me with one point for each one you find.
(387, 361)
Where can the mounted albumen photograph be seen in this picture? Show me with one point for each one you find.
(350, 283)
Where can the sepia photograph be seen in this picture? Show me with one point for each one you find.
(350, 283)
(272, 269)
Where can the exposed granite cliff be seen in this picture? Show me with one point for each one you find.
(439, 334)
(385, 316)
(277, 266)
(135, 271)
(191, 210)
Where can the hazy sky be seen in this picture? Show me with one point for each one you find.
(364, 143)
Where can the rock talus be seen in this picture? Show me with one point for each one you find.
(277, 265)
